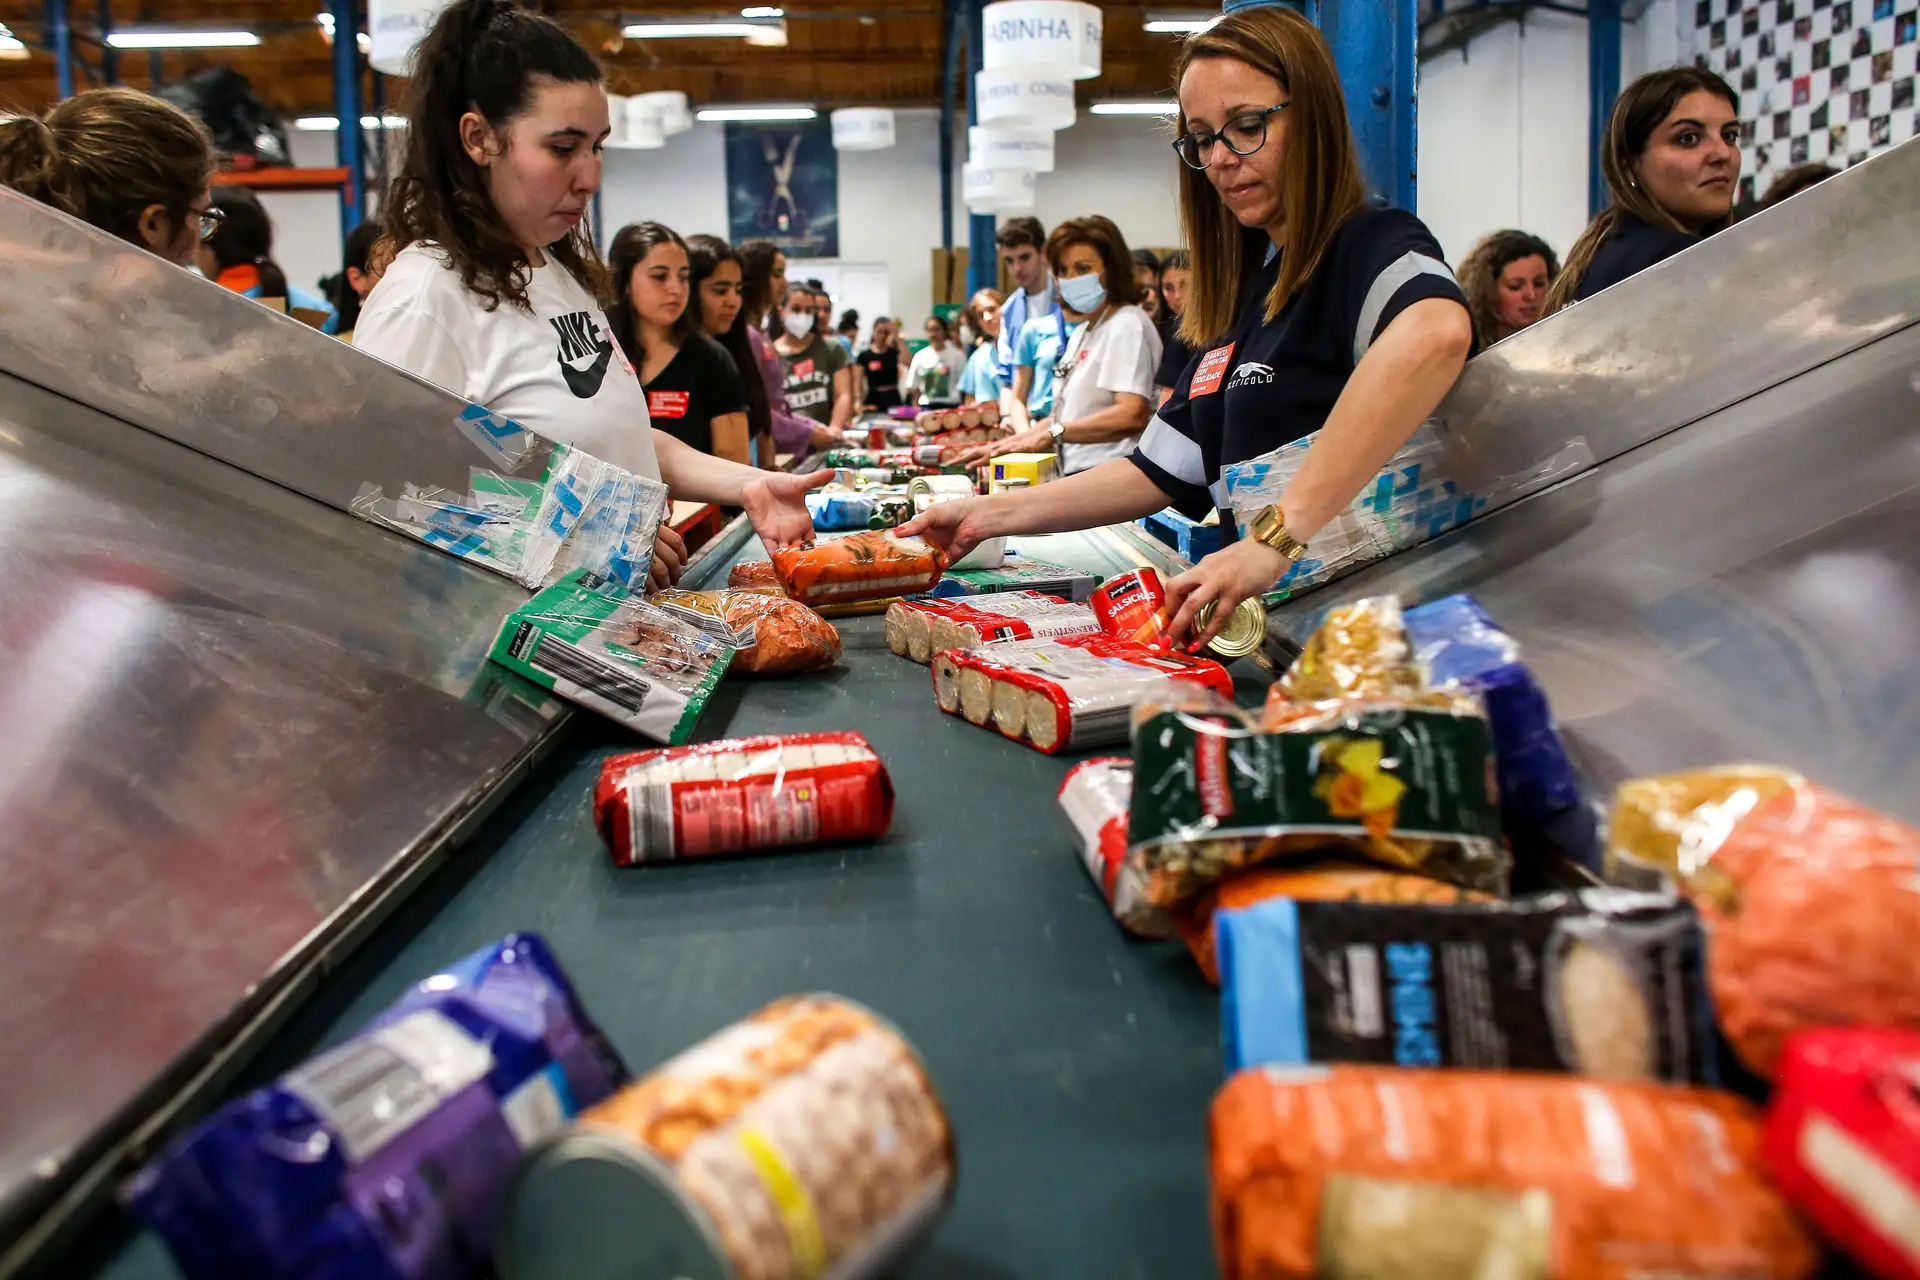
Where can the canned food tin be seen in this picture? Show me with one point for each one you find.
(875, 475)
(890, 512)
(1129, 601)
(803, 1141)
(877, 436)
(1244, 631)
(928, 455)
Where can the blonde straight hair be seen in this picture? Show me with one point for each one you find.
(1320, 185)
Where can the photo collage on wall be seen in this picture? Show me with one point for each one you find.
(1820, 81)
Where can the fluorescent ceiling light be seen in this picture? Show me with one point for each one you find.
(1178, 23)
(183, 39)
(757, 113)
(331, 124)
(1136, 108)
(360, 38)
(691, 30)
(763, 11)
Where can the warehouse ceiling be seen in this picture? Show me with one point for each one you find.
(837, 52)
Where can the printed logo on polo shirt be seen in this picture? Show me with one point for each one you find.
(581, 339)
(1250, 373)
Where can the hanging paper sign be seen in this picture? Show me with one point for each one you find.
(997, 190)
(394, 27)
(1049, 33)
(671, 107)
(646, 131)
(998, 147)
(1032, 97)
(862, 129)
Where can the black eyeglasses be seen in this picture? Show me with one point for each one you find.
(1243, 135)
(210, 220)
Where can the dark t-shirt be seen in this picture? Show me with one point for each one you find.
(1630, 248)
(1175, 355)
(699, 384)
(882, 369)
(810, 378)
(1270, 383)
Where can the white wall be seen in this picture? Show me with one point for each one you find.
(306, 224)
(1120, 166)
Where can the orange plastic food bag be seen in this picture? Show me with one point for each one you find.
(1811, 901)
(1379, 1173)
(754, 575)
(1320, 882)
(787, 636)
(862, 566)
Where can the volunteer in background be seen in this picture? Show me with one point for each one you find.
(1037, 353)
(980, 383)
(880, 368)
(1353, 327)
(239, 256)
(1672, 160)
(819, 382)
(716, 279)
(128, 163)
(1793, 182)
(1103, 397)
(694, 393)
(1021, 243)
(1146, 273)
(847, 333)
(496, 290)
(823, 316)
(1175, 355)
(934, 375)
(763, 292)
(356, 279)
(1506, 277)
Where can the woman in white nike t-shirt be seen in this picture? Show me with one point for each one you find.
(497, 292)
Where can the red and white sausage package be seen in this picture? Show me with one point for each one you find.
(1096, 795)
(739, 794)
(1060, 695)
(918, 629)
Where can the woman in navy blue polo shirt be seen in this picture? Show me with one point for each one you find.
(1310, 311)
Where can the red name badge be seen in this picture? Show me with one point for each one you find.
(667, 404)
(1211, 372)
(804, 369)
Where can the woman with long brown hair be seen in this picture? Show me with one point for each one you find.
(763, 292)
(497, 292)
(1672, 160)
(718, 279)
(1310, 310)
(1506, 277)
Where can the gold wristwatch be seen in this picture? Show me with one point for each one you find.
(1269, 527)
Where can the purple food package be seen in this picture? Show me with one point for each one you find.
(386, 1158)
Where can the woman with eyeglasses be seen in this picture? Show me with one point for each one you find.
(1309, 310)
(124, 161)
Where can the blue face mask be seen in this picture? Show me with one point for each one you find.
(1084, 294)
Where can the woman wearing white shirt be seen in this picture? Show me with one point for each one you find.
(497, 292)
(1104, 380)
(935, 372)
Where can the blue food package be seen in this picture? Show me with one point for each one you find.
(1456, 641)
(832, 512)
(386, 1158)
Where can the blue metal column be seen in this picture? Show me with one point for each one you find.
(952, 29)
(1376, 45)
(346, 107)
(1603, 86)
(109, 56)
(59, 36)
(983, 256)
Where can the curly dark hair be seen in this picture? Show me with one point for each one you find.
(482, 55)
(629, 249)
(1480, 276)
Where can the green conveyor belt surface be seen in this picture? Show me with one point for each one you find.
(1077, 1064)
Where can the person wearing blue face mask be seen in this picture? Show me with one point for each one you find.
(1103, 379)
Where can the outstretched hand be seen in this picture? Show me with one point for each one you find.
(776, 504)
(956, 526)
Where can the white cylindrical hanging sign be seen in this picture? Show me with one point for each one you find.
(1048, 33)
(671, 107)
(999, 147)
(997, 190)
(616, 122)
(645, 129)
(394, 27)
(862, 129)
(1032, 97)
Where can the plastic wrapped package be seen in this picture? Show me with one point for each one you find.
(1454, 641)
(910, 627)
(1313, 882)
(1410, 501)
(769, 635)
(1605, 983)
(1811, 899)
(742, 794)
(629, 660)
(579, 514)
(833, 510)
(918, 629)
(1405, 785)
(861, 566)
(1843, 1141)
(1380, 1173)
(755, 575)
(1018, 573)
(388, 1157)
(1094, 795)
(1358, 650)
(1061, 695)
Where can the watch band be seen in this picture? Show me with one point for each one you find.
(1269, 527)
(1058, 430)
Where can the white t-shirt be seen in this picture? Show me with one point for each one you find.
(555, 369)
(1118, 355)
(937, 373)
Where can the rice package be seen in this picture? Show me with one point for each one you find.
(1094, 796)
(1603, 982)
(1407, 784)
(388, 1157)
(861, 566)
(1811, 899)
(1843, 1141)
(1381, 1173)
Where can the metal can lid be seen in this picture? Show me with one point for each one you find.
(1244, 631)
(588, 1206)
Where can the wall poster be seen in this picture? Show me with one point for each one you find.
(783, 185)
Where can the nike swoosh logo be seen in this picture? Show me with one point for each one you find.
(585, 383)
